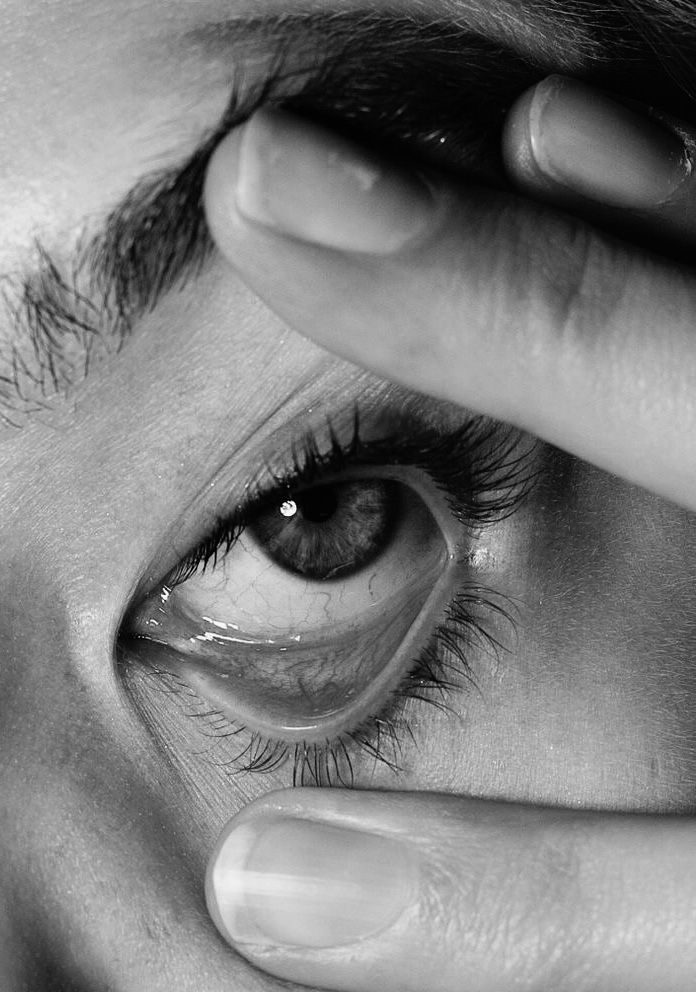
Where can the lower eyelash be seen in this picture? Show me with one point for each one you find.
(440, 671)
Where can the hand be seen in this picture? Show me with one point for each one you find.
(420, 892)
(528, 315)
(534, 317)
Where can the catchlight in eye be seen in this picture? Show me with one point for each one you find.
(308, 621)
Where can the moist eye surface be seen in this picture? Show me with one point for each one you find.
(313, 612)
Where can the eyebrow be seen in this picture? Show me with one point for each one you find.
(410, 83)
(64, 316)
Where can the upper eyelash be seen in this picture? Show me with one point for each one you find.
(479, 487)
(308, 462)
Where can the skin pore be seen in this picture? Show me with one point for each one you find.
(110, 808)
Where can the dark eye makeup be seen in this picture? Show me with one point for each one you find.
(340, 593)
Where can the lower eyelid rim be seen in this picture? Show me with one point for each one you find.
(379, 689)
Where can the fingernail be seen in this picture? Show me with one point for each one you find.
(306, 182)
(584, 140)
(301, 883)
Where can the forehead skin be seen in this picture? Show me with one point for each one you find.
(120, 89)
(102, 834)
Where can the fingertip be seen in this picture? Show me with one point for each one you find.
(219, 192)
(517, 151)
(576, 144)
(311, 885)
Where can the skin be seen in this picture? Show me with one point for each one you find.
(105, 835)
(592, 341)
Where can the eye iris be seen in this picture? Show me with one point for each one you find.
(329, 530)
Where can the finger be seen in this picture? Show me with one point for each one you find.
(618, 164)
(405, 892)
(471, 295)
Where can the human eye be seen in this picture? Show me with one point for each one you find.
(336, 595)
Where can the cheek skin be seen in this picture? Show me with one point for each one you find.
(98, 836)
(100, 876)
(575, 714)
(593, 705)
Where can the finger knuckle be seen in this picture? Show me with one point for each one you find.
(569, 281)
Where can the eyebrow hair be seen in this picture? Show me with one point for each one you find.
(405, 82)
(63, 317)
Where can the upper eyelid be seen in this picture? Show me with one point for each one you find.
(473, 500)
(230, 530)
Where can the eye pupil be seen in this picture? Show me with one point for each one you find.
(319, 504)
(331, 530)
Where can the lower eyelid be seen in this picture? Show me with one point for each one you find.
(347, 714)
(473, 619)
